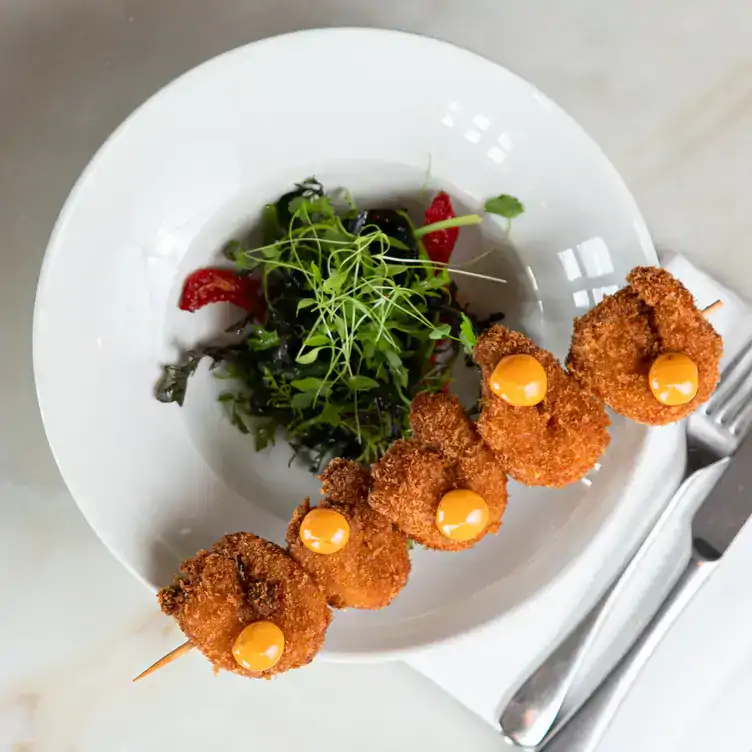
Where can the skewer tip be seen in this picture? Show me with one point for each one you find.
(712, 308)
(165, 659)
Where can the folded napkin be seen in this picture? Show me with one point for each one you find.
(483, 669)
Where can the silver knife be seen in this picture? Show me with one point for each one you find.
(716, 523)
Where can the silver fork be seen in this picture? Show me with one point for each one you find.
(533, 715)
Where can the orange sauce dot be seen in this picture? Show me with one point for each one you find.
(673, 379)
(519, 380)
(324, 531)
(462, 514)
(259, 646)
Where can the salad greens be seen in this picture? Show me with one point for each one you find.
(357, 320)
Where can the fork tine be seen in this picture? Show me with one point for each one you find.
(741, 423)
(728, 398)
(736, 413)
(736, 401)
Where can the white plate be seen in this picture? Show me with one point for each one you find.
(189, 170)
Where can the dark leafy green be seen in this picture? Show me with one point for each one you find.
(174, 382)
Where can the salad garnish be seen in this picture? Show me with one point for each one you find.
(349, 313)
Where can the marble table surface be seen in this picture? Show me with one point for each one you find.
(664, 87)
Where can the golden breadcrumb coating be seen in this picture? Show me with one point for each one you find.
(553, 443)
(244, 579)
(614, 345)
(439, 420)
(346, 481)
(446, 453)
(372, 569)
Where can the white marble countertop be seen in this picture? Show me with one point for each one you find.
(665, 88)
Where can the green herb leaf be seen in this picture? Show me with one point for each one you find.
(393, 359)
(393, 269)
(335, 236)
(320, 205)
(362, 383)
(398, 244)
(434, 282)
(317, 340)
(261, 339)
(305, 303)
(331, 415)
(238, 409)
(310, 356)
(467, 333)
(349, 200)
(505, 206)
(265, 431)
(301, 400)
(270, 229)
(308, 384)
(334, 282)
(233, 250)
(441, 332)
(340, 326)
(245, 262)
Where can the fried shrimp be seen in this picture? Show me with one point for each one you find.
(438, 419)
(551, 443)
(414, 477)
(373, 565)
(615, 345)
(246, 580)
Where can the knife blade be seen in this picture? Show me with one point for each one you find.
(727, 507)
(715, 524)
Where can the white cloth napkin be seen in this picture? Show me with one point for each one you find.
(483, 669)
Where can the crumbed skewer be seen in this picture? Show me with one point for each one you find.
(188, 646)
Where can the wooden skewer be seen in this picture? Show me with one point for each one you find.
(165, 659)
(712, 308)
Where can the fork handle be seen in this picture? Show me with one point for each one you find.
(587, 727)
(535, 706)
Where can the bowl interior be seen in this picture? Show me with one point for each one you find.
(190, 170)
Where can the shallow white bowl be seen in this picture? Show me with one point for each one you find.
(189, 170)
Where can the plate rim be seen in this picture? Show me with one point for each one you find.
(54, 245)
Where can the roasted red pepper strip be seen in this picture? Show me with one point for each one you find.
(206, 286)
(439, 245)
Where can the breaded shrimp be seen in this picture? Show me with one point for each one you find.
(552, 443)
(445, 454)
(614, 345)
(244, 579)
(345, 481)
(373, 567)
(438, 419)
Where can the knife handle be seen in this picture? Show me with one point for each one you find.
(586, 728)
(530, 714)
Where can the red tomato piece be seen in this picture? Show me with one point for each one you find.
(440, 244)
(206, 286)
